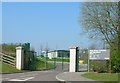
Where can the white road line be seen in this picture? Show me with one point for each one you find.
(15, 80)
(29, 75)
(29, 78)
(22, 80)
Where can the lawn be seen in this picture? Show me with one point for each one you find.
(102, 76)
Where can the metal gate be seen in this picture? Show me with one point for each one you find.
(29, 57)
(83, 60)
(58, 58)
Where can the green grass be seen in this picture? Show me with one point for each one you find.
(102, 76)
(56, 59)
(5, 68)
(59, 60)
(40, 65)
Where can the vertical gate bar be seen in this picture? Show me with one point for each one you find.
(46, 60)
(54, 58)
(88, 61)
(62, 61)
(77, 57)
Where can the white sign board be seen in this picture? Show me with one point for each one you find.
(99, 54)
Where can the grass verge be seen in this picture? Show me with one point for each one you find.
(102, 76)
(5, 68)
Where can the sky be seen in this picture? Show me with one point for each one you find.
(52, 24)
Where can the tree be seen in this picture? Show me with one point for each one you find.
(102, 20)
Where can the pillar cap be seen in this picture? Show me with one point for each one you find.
(19, 47)
(73, 47)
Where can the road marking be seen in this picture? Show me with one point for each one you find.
(29, 78)
(22, 80)
(15, 80)
(29, 75)
(60, 79)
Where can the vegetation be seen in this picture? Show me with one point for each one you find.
(30, 59)
(40, 65)
(59, 59)
(9, 48)
(102, 76)
(5, 68)
(55, 59)
(99, 66)
(102, 20)
(115, 58)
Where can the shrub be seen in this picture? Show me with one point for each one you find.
(99, 66)
(115, 61)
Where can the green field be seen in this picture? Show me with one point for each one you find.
(102, 76)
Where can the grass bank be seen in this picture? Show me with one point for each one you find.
(40, 65)
(5, 68)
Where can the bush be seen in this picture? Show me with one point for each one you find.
(115, 61)
(99, 66)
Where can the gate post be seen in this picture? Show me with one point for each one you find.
(19, 58)
(74, 56)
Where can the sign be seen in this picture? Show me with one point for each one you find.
(99, 54)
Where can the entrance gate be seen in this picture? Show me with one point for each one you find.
(58, 58)
(78, 61)
(83, 60)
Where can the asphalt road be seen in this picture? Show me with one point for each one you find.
(31, 76)
(49, 75)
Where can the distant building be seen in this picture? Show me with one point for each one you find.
(56, 53)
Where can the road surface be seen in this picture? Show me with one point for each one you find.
(49, 75)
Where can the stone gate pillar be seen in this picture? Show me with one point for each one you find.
(73, 67)
(19, 58)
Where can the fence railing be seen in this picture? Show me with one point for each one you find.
(8, 59)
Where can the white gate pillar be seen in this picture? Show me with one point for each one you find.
(73, 59)
(19, 58)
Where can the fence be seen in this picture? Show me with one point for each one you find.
(28, 60)
(8, 59)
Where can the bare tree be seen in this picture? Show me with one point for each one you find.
(100, 19)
